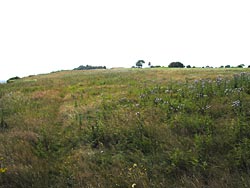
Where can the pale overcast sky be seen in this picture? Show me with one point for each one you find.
(49, 35)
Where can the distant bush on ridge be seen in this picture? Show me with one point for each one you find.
(89, 67)
(13, 79)
(176, 65)
(156, 66)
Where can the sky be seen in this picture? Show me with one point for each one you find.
(41, 36)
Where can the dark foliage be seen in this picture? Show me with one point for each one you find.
(89, 67)
(156, 66)
(13, 79)
(176, 65)
(240, 66)
(139, 63)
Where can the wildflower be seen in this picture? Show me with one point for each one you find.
(137, 113)
(157, 100)
(133, 185)
(180, 106)
(227, 91)
(196, 81)
(206, 107)
(236, 103)
(219, 80)
(134, 165)
(3, 170)
(240, 89)
(200, 95)
(165, 102)
(167, 91)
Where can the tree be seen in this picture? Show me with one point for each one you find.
(241, 66)
(12, 79)
(227, 66)
(176, 65)
(139, 63)
(189, 66)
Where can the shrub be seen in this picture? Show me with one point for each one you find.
(156, 66)
(176, 65)
(89, 67)
(240, 66)
(12, 79)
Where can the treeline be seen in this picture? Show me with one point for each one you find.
(89, 67)
(177, 64)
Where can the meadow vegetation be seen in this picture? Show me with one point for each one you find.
(126, 128)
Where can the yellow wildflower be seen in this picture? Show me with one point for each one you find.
(3, 170)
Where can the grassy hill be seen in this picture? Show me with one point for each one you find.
(126, 128)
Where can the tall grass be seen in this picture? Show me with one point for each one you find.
(127, 128)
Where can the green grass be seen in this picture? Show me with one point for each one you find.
(117, 128)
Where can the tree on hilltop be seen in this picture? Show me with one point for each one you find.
(139, 63)
(13, 79)
(241, 66)
(176, 65)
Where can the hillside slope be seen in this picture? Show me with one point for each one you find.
(126, 128)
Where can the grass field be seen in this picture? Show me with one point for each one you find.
(126, 128)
